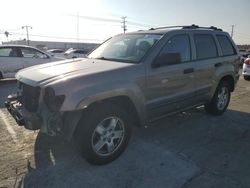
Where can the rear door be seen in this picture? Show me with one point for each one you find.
(10, 61)
(206, 61)
(170, 87)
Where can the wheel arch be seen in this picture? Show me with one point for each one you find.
(71, 119)
(123, 101)
(229, 79)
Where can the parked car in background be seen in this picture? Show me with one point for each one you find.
(75, 53)
(16, 57)
(56, 52)
(244, 54)
(246, 69)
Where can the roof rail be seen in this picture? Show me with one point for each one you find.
(168, 27)
(193, 26)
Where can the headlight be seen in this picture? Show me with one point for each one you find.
(52, 101)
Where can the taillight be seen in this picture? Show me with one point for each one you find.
(247, 61)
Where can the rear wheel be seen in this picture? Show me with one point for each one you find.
(104, 133)
(220, 100)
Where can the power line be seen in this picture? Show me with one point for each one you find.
(54, 37)
(129, 22)
(242, 36)
(97, 18)
(14, 29)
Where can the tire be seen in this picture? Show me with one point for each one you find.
(104, 133)
(219, 103)
(247, 78)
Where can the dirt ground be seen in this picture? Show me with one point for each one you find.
(188, 150)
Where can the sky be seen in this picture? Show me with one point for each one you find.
(97, 20)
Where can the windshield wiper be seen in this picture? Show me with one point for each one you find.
(114, 59)
(102, 58)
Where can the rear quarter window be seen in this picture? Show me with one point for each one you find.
(226, 45)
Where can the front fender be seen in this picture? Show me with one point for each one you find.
(84, 98)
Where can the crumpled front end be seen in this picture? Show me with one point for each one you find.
(36, 108)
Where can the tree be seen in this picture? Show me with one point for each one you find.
(7, 34)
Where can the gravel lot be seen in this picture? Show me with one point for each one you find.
(188, 150)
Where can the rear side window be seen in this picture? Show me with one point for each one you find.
(205, 46)
(226, 45)
(178, 45)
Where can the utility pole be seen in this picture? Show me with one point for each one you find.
(232, 32)
(124, 26)
(77, 29)
(27, 32)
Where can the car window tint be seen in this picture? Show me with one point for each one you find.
(58, 51)
(205, 46)
(178, 45)
(226, 45)
(79, 52)
(32, 53)
(6, 52)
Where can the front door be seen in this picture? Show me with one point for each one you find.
(10, 61)
(170, 85)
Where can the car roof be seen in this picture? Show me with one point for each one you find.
(16, 45)
(24, 46)
(54, 50)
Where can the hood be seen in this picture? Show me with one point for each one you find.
(63, 70)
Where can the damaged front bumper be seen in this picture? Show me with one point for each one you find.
(22, 116)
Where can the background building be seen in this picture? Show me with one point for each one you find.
(45, 45)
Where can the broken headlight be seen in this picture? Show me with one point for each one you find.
(52, 101)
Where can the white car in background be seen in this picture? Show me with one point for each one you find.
(75, 53)
(246, 69)
(16, 57)
(56, 52)
(244, 54)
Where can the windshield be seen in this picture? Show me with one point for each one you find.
(125, 48)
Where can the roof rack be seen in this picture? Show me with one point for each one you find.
(193, 26)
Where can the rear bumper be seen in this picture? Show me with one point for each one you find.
(23, 117)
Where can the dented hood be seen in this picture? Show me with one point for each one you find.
(62, 70)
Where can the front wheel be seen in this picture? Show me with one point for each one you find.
(104, 132)
(220, 100)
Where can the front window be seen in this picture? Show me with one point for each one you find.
(126, 48)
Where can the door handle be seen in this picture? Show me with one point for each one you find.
(187, 71)
(218, 64)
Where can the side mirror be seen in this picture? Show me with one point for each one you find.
(166, 59)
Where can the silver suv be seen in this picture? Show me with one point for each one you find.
(131, 79)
